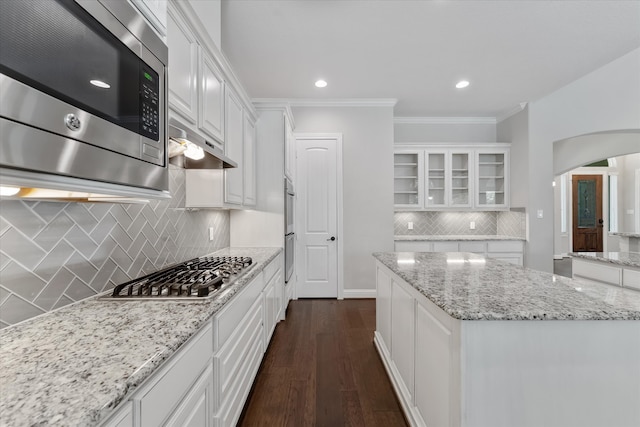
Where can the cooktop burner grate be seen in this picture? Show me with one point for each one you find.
(196, 278)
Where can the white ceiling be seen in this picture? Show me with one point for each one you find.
(511, 51)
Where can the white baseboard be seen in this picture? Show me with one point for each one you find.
(359, 293)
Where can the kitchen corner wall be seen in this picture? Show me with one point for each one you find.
(54, 254)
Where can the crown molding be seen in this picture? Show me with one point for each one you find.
(445, 120)
(329, 102)
(505, 114)
(262, 104)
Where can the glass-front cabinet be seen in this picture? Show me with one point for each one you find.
(408, 170)
(436, 187)
(492, 185)
(451, 177)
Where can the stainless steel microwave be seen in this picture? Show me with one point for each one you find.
(83, 99)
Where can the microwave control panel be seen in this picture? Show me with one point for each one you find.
(149, 104)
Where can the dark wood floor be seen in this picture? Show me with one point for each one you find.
(322, 369)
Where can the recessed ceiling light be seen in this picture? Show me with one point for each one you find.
(321, 83)
(462, 84)
(100, 83)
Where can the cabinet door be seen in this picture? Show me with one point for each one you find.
(459, 179)
(183, 66)
(233, 147)
(249, 162)
(402, 333)
(195, 409)
(436, 189)
(269, 311)
(492, 179)
(211, 91)
(407, 179)
(433, 379)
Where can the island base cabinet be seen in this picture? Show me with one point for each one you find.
(449, 372)
(437, 362)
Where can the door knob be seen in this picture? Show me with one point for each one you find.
(331, 239)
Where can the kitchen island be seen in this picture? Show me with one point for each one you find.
(471, 341)
(609, 268)
(74, 366)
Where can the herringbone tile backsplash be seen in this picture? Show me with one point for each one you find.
(457, 223)
(53, 254)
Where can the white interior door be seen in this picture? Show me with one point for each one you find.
(317, 214)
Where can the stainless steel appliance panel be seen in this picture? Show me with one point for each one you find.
(289, 258)
(289, 207)
(115, 134)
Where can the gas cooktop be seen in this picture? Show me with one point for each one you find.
(198, 278)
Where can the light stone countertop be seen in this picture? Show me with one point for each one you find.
(452, 237)
(73, 366)
(624, 234)
(629, 259)
(471, 287)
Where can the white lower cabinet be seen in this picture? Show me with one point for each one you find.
(402, 329)
(511, 251)
(195, 410)
(605, 273)
(161, 397)
(207, 382)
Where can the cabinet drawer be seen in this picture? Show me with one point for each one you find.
(415, 246)
(239, 390)
(445, 246)
(504, 246)
(597, 271)
(167, 388)
(631, 278)
(225, 322)
(271, 269)
(230, 359)
(475, 247)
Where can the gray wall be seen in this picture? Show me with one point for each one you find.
(367, 155)
(629, 194)
(53, 254)
(604, 100)
(515, 129)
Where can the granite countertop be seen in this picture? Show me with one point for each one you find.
(628, 259)
(471, 287)
(624, 234)
(73, 366)
(451, 237)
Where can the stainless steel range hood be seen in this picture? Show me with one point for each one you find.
(182, 142)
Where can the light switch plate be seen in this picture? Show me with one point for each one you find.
(409, 225)
(472, 225)
(210, 233)
(540, 214)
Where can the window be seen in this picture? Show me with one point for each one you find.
(563, 203)
(613, 203)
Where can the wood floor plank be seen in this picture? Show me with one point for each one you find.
(322, 369)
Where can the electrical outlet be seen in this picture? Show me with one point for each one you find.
(472, 225)
(409, 225)
(210, 233)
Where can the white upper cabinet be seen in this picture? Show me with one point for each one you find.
(451, 177)
(249, 162)
(408, 187)
(155, 11)
(183, 68)
(492, 179)
(211, 97)
(234, 128)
